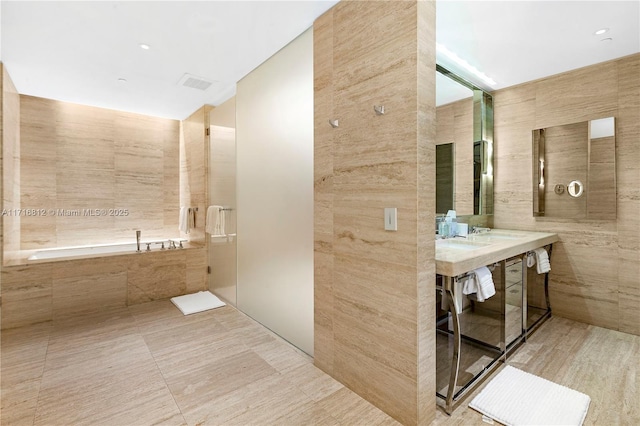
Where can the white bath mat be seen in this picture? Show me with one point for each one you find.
(197, 302)
(515, 397)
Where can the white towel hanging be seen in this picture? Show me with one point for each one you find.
(215, 223)
(543, 265)
(183, 221)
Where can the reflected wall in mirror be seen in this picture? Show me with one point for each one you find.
(445, 179)
(581, 158)
(464, 121)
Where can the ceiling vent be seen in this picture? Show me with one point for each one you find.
(189, 80)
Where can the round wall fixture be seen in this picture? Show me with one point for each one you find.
(559, 189)
(575, 188)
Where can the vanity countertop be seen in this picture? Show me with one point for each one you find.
(455, 256)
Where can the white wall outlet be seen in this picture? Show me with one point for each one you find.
(390, 219)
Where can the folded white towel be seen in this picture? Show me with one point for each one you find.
(486, 288)
(215, 223)
(210, 219)
(183, 222)
(470, 286)
(542, 261)
(480, 282)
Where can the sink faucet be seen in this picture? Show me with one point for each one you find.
(479, 230)
(138, 240)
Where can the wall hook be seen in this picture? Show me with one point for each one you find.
(379, 109)
(334, 123)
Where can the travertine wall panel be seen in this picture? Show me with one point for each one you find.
(10, 169)
(162, 277)
(373, 288)
(54, 290)
(628, 198)
(76, 157)
(26, 295)
(595, 271)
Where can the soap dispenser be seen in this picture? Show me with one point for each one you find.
(453, 227)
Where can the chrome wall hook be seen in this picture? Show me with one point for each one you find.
(379, 109)
(334, 123)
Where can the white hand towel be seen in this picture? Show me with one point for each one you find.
(215, 221)
(542, 261)
(484, 280)
(531, 259)
(470, 286)
(210, 220)
(183, 222)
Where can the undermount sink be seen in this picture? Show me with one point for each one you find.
(494, 236)
(459, 244)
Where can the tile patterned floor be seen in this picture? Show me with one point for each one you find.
(148, 364)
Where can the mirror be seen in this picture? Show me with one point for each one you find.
(445, 179)
(575, 188)
(574, 170)
(464, 146)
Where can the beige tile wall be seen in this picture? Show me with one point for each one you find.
(374, 290)
(42, 292)
(81, 157)
(595, 266)
(10, 168)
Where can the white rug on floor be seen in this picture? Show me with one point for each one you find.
(515, 397)
(197, 302)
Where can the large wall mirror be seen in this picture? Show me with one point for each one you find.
(574, 170)
(464, 146)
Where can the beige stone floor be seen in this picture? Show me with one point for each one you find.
(148, 364)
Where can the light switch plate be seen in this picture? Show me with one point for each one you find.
(390, 219)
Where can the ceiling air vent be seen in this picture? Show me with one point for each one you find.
(189, 80)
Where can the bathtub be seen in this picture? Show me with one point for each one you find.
(79, 252)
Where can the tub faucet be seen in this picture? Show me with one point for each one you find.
(138, 240)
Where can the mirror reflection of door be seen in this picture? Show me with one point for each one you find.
(445, 172)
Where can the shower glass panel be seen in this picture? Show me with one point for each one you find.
(222, 192)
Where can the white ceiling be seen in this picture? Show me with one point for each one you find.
(77, 51)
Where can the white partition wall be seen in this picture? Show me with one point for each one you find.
(274, 131)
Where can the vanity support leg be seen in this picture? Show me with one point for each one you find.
(546, 284)
(503, 316)
(524, 301)
(455, 361)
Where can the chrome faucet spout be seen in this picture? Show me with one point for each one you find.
(138, 241)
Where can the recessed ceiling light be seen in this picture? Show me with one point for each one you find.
(607, 40)
(601, 31)
(122, 80)
(144, 46)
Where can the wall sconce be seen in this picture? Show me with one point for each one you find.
(379, 109)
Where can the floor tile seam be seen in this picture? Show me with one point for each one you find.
(44, 365)
(164, 379)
